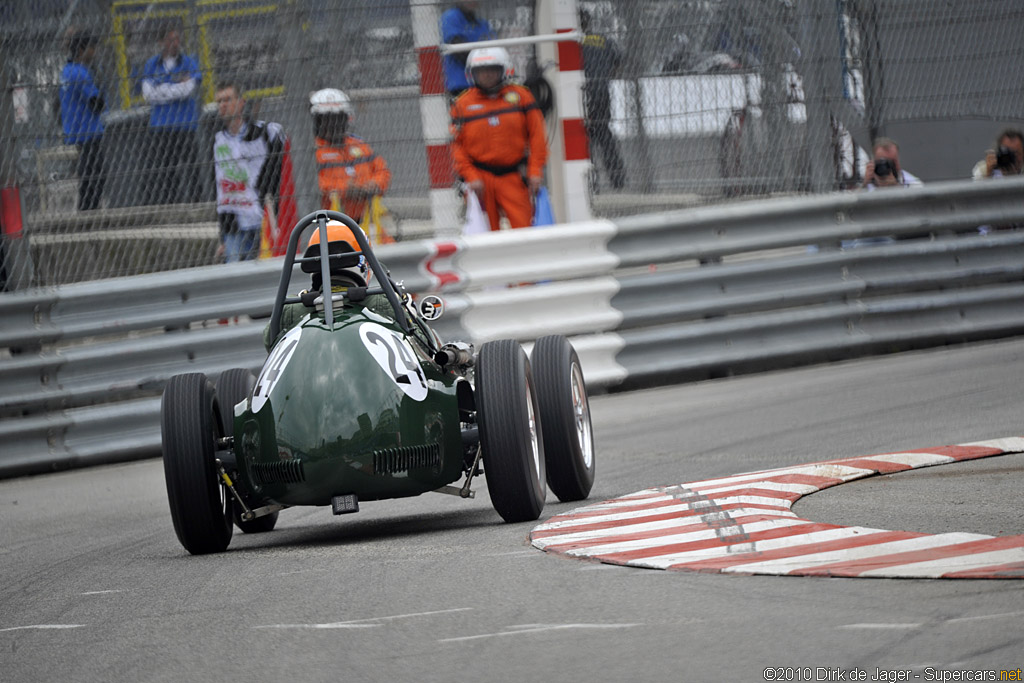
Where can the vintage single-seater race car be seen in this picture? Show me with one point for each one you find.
(360, 400)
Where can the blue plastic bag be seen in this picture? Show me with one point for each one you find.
(542, 214)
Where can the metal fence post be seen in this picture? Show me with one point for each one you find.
(293, 18)
(818, 27)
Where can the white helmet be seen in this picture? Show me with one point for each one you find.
(489, 56)
(330, 101)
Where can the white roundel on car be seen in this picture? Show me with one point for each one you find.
(395, 356)
(279, 358)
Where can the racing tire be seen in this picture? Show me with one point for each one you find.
(233, 386)
(565, 414)
(510, 431)
(190, 428)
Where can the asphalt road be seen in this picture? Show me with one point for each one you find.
(96, 587)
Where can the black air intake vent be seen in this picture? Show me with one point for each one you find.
(403, 459)
(278, 472)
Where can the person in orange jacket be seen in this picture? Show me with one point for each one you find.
(349, 172)
(499, 142)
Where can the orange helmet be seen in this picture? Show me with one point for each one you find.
(336, 232)
(340, 240)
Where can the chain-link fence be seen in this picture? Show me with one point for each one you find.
(707, 100)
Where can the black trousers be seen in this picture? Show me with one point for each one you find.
(90, 174)
(173, 176)
(598, 103)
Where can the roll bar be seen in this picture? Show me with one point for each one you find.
(383, 278)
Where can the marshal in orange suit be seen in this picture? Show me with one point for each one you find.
(349, 172)
(498, 137)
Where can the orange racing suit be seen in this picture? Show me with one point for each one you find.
(493, 136)
(349, 165)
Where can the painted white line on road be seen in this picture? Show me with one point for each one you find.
(367, 623)
(41, 627)
(982, 617)
(107, 592)
(514, 553)
(955, 620)
(880, 627)
(536, 628)
(338, 625)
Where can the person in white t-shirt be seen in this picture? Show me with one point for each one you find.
(247, 160)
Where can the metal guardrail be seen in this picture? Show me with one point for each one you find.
(646, 300)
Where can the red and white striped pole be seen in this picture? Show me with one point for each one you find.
(569, 168)
(444, 201)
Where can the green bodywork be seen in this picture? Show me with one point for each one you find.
(335, 421)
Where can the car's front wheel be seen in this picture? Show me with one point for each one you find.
(190, 429)
(510, 431)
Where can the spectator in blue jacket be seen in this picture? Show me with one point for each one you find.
(81, 104)
(460, 24)
(170, 84)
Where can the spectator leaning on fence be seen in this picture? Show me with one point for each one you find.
(499, 142)
(460, 24)
(601, 59)
(884, 169)
(170, 84)
(1006, 159)
(81, 106)
(349, 172)
(247, 159)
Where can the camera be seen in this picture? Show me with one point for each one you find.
(884, 167)
(1006, 158)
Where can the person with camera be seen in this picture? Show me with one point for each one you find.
(884, 169)
(1006, 159)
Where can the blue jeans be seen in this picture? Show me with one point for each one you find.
(242, 245)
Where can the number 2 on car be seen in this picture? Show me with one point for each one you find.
(396, 357)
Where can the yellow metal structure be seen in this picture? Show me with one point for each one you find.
(197, 22)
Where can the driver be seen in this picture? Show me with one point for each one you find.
(343, 277)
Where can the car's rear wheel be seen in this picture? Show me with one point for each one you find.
(190, 428)
(510, 431)
(233, 386)
(565, 414)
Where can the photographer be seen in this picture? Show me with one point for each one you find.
(884, 169)
(1006, 159)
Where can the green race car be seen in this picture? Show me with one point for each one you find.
(360, 400)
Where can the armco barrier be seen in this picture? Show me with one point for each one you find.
(646, 300)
